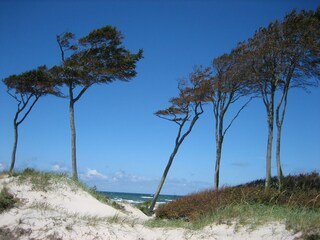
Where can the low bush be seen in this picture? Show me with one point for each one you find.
(144, 207)
(7, 200)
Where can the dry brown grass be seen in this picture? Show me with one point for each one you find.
(300, 191)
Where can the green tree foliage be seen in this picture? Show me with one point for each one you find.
(97, 58)
(26, 88)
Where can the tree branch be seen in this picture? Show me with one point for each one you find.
(175, 120)
(224, 132)
(82, 92)
(195, 118)
(61, 49)
(14, 96)
(30, 108)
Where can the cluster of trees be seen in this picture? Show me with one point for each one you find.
(279, 57)
(98, 58)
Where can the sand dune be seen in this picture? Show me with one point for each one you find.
(63, 212)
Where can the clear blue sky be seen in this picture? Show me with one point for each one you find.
(121, 145)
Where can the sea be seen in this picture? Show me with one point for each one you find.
(137, 198)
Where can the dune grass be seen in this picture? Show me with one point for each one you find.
(48, 181)
(297, 205)
(44, 181)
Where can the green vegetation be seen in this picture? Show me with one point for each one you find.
(297, 205)
(7, 200)
(144, 207)
(45, 181)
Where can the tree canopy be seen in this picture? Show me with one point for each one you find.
(98, 58)
(281, 56)
(26, 88)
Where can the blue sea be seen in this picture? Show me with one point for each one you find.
(137, 198)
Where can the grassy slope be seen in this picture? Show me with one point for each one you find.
(298, 205)
(44, 181)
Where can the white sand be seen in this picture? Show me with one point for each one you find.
(63, 213)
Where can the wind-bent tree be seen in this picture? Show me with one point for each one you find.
(98, 58)
(227, 86)
(184, 111)
(26, 88)
(284, 55)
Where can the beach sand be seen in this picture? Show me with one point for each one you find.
(62, 212)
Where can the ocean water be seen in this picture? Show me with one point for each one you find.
(137, 198)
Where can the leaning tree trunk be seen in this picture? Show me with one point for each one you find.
(178, 142)
(73, 141)
(156, 195)
(15, 144)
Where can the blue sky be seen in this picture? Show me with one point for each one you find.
(121, 145)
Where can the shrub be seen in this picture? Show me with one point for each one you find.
(144, 207)
(7, 200)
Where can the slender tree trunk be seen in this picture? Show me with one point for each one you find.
(164, 175)
(15, 144)
(73, 141)
(282, 106)
(178, 142)
(219, 142)
(278, 148)
(279, 121)
(16, 124)
(219, 110)
(269, 148)
(217, 168)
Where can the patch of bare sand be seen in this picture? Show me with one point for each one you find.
(65, 213)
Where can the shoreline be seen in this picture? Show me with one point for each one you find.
(137, 198)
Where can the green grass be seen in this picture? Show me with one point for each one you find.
(46, 181)
(297, 205)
